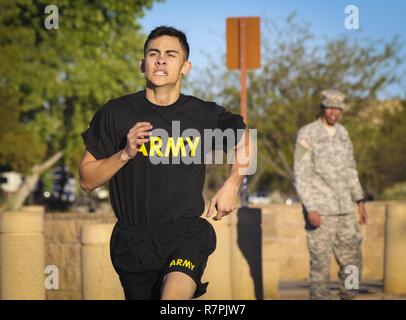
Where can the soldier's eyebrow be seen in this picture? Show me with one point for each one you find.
(172, 51)
(153, 49)
(166, 51)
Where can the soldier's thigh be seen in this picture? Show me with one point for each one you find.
(348, 232)
(320, 239)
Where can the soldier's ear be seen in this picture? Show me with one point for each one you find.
(142, 66)
(187, 66)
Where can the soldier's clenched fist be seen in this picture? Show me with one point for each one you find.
(136, 136)
(314, 218)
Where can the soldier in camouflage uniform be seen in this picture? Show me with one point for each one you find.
(327, 182)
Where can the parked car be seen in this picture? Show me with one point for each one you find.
(10, 181)
(63, 194)
(260, 197)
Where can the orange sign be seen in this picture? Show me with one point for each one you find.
(243, 43)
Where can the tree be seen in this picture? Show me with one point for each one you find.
(55, 79)
(285, 93)
(390, 152)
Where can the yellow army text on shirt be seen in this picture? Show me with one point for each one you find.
(326, 177)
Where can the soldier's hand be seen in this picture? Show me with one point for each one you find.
(363, 216)
(136, 136)
(314, 218)
(225, 200)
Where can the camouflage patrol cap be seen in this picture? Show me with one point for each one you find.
(333, 99)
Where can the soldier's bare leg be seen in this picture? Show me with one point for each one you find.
(177, 286)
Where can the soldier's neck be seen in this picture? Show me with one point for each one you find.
(330, 129)
(326, 124)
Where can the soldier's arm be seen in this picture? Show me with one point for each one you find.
(357, 192)
(303, 172)
(96, 172)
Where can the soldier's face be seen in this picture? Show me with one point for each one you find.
(164, 61)
(332, 115)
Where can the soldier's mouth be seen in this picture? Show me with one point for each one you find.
(160, 72)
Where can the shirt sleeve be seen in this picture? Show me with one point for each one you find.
(98, 138)
(303, 171)
(357, 193)
(229, 123)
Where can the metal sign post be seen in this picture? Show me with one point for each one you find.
(243, 52)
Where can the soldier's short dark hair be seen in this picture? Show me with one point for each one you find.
(169, 31)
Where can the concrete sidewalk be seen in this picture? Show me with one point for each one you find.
(299, 290)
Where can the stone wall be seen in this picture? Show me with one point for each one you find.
(283, 238)
(63, 249)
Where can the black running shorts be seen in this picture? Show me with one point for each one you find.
(142, 256)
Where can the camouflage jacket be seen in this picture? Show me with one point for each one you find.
(326, 177)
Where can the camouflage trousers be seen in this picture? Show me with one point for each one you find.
(341, 236)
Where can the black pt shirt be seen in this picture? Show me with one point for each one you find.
(157, 186)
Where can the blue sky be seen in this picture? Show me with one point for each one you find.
(204, 22)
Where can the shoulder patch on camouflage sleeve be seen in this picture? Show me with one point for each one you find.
(304, 142)
(302, 146)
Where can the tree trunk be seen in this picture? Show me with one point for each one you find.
(16, 201)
